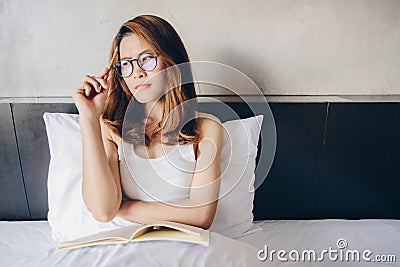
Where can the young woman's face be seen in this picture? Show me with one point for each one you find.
(131, 47)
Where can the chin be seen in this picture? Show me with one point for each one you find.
(144, 98)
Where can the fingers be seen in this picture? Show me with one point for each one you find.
(73, 92)
(76, 92)
(90, 83)
(105, 75)
(104, 72)
(88, 88)
(103, 79)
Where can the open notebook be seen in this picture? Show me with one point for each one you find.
(162, 230)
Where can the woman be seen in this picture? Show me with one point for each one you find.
(145, 72)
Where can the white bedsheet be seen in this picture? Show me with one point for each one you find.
(21, 239)
(381, 237)
(30, 244)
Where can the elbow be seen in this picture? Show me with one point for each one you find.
(206, 225)
(206, 218)
(103, 213)
(205, 222)
(103, 216)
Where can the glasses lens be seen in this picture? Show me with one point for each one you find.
(147, 62)
(124, 68)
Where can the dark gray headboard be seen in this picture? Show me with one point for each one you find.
(333, 160)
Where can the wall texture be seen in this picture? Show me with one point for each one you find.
(287, 47)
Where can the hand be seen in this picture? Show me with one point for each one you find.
(90, 96)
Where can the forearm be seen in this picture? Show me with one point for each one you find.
(99, 190)
(182, 211)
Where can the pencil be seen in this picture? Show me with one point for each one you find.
(110, 64)
(109, 68)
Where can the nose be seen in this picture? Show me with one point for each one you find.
(137, 71)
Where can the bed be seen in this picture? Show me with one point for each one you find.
(30, 242)
(329, 198)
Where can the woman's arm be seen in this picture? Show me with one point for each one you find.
(199, 209)
(101, 186)
(101, 189)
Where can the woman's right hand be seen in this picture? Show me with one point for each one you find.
(90, 96)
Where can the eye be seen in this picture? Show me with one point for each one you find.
(146, 57)
(124, 63)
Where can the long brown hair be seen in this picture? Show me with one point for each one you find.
(178, 126)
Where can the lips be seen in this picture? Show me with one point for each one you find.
(142, 86)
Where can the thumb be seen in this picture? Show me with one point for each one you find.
(108, 79)
(104, 72)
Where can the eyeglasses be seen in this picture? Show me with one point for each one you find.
(146, 62)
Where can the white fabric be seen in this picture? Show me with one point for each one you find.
(234, 216)
(23, 239)
(222, 251)
(29, 243)
(167, 178)
(70, 219)
(68, 215)
(380, 236)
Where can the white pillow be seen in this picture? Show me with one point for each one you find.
(234, 216)
(68, 216)
(70, 219)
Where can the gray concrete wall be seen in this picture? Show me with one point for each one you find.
(287, 47)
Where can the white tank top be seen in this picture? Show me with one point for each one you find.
(167, 178)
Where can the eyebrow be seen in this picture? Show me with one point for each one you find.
(142, 52)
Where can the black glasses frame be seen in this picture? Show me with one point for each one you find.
(115, 67)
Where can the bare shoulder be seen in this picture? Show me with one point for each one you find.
(208, 119)
(203, 115)
(210, 135)
(209, 125)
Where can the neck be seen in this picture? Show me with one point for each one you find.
(154, 112)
